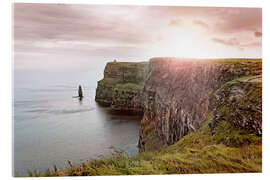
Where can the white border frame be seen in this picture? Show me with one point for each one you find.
(7, 69)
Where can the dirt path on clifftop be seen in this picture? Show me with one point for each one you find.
(253, 79)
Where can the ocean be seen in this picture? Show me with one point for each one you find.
(51, 127)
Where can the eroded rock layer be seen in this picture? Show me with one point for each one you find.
(240, 102)
(177, 96)
(121, 87)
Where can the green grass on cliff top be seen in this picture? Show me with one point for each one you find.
(129, 86)
(108, 81)
(205, 59)
(127, 64)
(117, 84)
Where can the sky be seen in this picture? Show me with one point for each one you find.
(64, 36)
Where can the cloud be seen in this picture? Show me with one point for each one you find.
(75, 22)
(227, 42)
(130, 31)
(220, 19)
(258, 34)
(252, 44)
(200, 23)
(237, 20)
(238, 43)
(175, 22)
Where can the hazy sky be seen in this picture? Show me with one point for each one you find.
(53, 36)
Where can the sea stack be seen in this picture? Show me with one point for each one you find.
(80, 91)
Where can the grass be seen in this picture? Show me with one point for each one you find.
(129, 86)
(235, 60)
(116, 84)
(126, 72)
(108, 82)
(221, 60)
(129, 63)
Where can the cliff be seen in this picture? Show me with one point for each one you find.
(121, 87)
(239, 102)
(177, 95)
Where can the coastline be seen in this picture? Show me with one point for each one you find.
(221, 138)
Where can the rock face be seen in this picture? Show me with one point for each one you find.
(240, 102)
(121, 87)
(176, 95)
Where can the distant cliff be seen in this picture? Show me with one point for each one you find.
(177, 95)
(121, 87)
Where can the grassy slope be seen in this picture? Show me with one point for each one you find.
(135, 84)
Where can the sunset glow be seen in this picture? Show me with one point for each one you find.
(67, 35)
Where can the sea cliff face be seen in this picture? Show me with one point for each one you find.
(239, 101)
(177, 95)
(121, 87)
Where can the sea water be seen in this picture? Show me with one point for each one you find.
(50, 126)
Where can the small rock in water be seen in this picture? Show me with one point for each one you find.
(80, 91)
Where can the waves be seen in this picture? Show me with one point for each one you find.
(70, 111)
(50, 101)
(59, 111)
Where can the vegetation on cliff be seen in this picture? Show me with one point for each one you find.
(122, 85)
(179, 93)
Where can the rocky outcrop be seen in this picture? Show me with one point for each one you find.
(240, 103)
(121, 87)
(176, 95)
